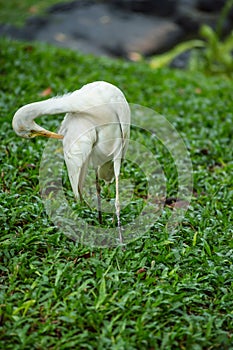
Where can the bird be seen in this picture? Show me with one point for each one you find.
(95, 132)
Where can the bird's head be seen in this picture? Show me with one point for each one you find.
(24, 126)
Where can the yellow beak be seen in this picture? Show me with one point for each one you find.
(47, 133)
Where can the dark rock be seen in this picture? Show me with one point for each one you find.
(155, 7)
(191, 19)
(7, 30)
(68, 6)
(159, 38)
(190, 3)
(181, 61)
(33, 25)
(210, 5)
(116, 33)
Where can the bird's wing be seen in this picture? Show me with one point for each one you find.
(77, 156)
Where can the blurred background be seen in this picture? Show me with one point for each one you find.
(115, 28)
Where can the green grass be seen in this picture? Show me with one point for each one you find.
(166, 291)
(17, 12)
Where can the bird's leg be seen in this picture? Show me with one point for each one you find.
(117, 205)
(81, 196)
(98, 190)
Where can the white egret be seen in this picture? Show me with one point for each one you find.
(95, 130)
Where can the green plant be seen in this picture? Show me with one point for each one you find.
(166, 58)
(210, 54)
(216, 56)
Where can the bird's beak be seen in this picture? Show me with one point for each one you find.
(47, 133)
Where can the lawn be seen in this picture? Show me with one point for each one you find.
(170, 289)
